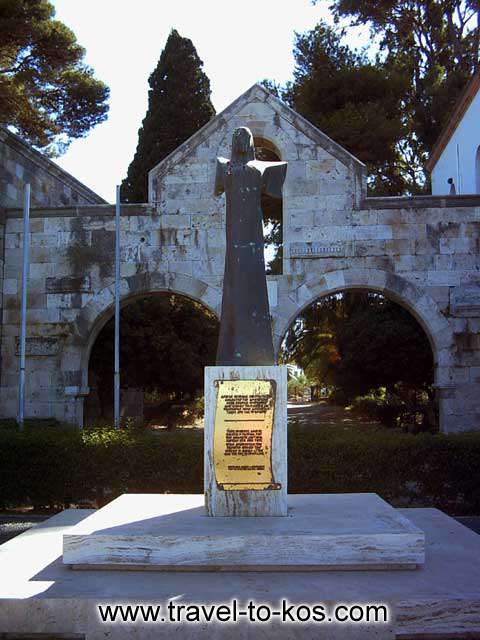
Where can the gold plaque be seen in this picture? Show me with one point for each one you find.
(242, 447)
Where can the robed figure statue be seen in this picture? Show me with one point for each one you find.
(245, 326)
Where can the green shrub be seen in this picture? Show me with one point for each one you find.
(391, 411)
(426, 470)
(8, 423)
(52, 467)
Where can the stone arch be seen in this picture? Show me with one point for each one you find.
(98, 310)
(261, 129)
(436, 326)
(268, 145)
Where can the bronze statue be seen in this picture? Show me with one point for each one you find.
(245, 327)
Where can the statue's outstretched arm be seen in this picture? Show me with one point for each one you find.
(273, 177)
(222, 164)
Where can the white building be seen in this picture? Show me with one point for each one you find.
(454, 163)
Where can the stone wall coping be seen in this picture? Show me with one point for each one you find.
(80, 211)
(143, 209)
(23, 148)
(421, 202)
(444, 385)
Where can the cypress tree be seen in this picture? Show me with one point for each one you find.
(178, 105)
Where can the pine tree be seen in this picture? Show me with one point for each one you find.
(47, 92)
(178, 105)
(434, 45)
(355, 102)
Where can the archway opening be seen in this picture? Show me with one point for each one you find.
(272, 210)
(358, 359)
(166, 340)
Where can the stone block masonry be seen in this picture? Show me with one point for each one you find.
(422, 252)
(51, 185)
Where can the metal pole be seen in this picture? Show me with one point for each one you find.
(23, 321)
(116, 376)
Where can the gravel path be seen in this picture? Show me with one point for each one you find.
(11, 526)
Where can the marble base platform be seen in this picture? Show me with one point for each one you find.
(173, 533)
(41, 595)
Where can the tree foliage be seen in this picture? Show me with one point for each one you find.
(433, 45)
(165, 342)
(47, 92)
(178, 105)
(298, 384)
(388, 103)
(355, 102)
(359, 342)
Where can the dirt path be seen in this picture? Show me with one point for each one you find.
(317, 415)
(323, 414)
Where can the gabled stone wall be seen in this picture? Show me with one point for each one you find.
(51, 186)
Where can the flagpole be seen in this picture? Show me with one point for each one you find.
(23, 316)
(116, 376)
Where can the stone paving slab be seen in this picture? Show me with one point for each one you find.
(39, 594)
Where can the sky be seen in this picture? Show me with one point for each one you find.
(240, 43)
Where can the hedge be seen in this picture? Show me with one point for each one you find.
(53, 467)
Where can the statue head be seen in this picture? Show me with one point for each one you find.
(243, 149)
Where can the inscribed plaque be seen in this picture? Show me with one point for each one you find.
(242, 447)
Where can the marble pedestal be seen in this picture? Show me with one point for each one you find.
(236, 499)
(173, 533)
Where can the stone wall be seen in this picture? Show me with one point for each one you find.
(430, 266)
(421, 252)
(424, 257)
(50, 186)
